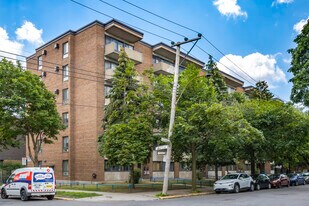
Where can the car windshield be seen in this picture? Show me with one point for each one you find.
(291, 175)
(230, 177)
(273, 177)
(254, 176)
(306, 174)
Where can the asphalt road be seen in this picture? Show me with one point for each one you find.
(284, 197)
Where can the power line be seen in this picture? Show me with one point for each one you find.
(141, 18)
(192, 31)
(224, 65)
(56, 73)
(83, 5)
(44, 61)
(160, 16)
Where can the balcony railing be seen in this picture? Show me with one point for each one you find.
(163, 68)
(112, 51)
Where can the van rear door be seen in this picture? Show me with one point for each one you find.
(43, 182)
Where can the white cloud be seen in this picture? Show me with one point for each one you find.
(229, 8)
(29, 33)
(258, 66)
(282, 2)
(298, 27)
(8, 45)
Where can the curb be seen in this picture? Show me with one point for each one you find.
(186, 195)
(63, 198)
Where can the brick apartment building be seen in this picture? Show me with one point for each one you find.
(78, 66)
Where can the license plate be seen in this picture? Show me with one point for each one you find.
(49, 186)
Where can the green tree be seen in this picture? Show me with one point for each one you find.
(128, 119)
(261, 91)
(216, 78)
(27, 108)
(299, 67)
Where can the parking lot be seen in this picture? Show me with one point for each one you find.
(267, 197)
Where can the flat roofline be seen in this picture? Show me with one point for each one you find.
(181, 53)
(232, 77)
(124, 25)
(70, 32)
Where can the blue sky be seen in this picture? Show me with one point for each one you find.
(254, 34)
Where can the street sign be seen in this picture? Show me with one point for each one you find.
(24, 161)
(165, 140)
(161, 147)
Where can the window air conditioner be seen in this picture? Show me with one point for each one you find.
(57, 69)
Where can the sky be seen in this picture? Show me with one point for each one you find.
(253, 35)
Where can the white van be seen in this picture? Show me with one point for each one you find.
(30, 181)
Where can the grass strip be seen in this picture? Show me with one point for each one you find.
(76, 195)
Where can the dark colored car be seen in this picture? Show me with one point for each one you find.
(279, 180)
(296, 179)
(306, 176)
(261, 181)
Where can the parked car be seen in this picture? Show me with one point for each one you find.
(279, 180)
(234, 183)
(306, 176)
(296, 179)
(29, 182)
(261, 181)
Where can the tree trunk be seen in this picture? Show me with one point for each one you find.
(194, 170)
(252, 160)
(132, 176)
(216, 171)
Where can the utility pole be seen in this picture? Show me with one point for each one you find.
(173, 111)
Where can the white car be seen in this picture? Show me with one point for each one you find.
(234, 183)
(28, 182)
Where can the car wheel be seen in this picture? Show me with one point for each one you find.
(251, 187)
(3, 194)
(269, 186)
(23, 195)
(236, 188)
(51, 197)
(258, 187)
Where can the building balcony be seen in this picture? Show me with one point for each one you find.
(163, 68)
(111, 51)
(109, 73)
(107, 101)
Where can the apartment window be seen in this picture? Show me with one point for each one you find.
(40, 163)
(65, 167)
(185, 166)
(65, 96)
(230, 89)
(65, 144)
(40, 63)
(114, 168)
(65, 50)
(110, 65)
(118, 44)
(65, 119)
(156, 59)
(160, 166)
(65, 73)
(107, 90)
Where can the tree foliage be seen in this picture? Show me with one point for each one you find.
(261, 91)
(128, 120)
(27, 108)
(300, 67)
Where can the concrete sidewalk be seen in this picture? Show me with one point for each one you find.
(139, 196)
